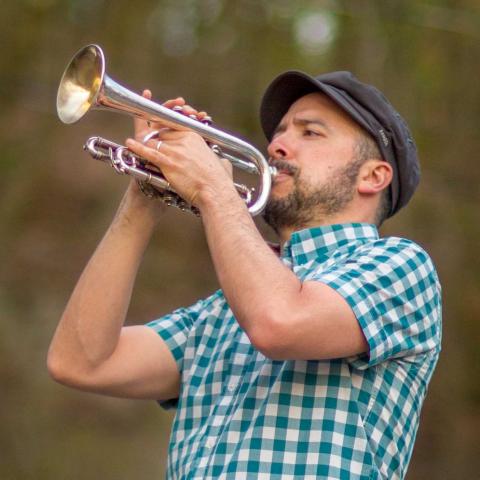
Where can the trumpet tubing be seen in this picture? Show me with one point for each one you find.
(85, 86)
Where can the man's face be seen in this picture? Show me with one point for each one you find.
(313, 149)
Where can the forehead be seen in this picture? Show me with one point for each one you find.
(319, 106)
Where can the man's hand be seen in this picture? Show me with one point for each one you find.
(143, 127)
(183, 156)
(135, 201)
(91, 349)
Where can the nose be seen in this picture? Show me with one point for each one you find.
(279, 147)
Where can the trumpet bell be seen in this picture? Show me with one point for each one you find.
(80, 84)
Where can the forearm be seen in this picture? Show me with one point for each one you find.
(90, 326)
(256, 283)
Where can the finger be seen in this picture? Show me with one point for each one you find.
(228, 166)
(154, 143)
(174, 135)
(174, 102)
(188, 110)
(153, 155)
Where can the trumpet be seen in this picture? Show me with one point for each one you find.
(85, 86)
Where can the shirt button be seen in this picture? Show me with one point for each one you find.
(232, 386)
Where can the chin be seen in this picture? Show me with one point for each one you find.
(281, 189)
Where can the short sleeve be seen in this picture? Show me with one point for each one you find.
(174, 330)
(393, 289)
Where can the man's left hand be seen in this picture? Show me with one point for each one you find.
(187, 162)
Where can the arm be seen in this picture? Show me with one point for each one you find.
(283, 317)
(91, 349)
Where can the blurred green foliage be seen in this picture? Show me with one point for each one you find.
(219, 54)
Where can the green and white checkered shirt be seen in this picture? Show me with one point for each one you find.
(241, 415)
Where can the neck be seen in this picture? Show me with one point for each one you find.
(286, 232)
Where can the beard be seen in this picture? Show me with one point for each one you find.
(306, 202)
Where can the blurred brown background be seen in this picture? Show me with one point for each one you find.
(220, 54)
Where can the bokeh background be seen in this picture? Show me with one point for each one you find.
(55, 202)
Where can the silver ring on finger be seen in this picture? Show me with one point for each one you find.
(159, 144)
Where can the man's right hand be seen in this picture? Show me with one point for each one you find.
(92, 349)
(143, 127)
(134, 201)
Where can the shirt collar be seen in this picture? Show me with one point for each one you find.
(320, 242)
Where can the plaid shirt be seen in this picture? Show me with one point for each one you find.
(241, 415)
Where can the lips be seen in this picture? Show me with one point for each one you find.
(284, 169)
(281, 174)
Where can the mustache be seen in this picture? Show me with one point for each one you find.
(283, 166)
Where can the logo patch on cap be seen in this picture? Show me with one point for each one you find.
(384, 137)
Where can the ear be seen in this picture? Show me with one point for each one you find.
(374, 176)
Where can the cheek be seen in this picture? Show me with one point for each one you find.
(322, 162)
(316, 171)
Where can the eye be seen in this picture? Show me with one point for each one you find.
(311, 133)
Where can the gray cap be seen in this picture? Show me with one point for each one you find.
(367, 106)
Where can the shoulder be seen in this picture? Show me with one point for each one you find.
(399, 245)
(389, 267)
(399, 254)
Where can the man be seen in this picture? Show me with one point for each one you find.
(309, 365)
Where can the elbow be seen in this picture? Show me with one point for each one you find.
(270, 336)
(55, 368)
(62, 372)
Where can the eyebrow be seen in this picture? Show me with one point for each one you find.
(302, 122)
